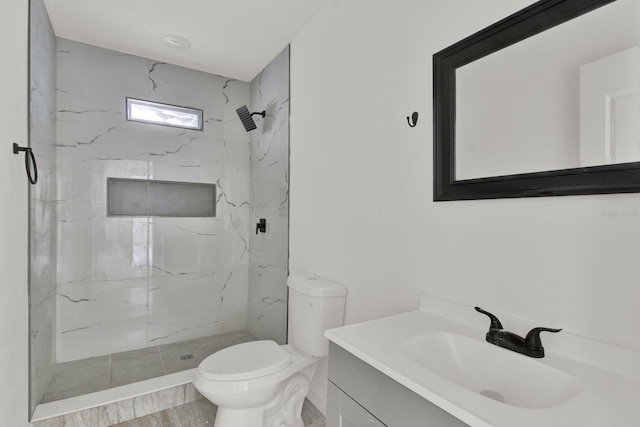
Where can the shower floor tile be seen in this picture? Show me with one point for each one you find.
(68, 382)
(180, 360)
(71, 379)
(131, 370)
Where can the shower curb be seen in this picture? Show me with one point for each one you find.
(120, 404)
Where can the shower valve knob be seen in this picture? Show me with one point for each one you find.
(261, 226)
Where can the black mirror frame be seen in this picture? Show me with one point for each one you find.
(545, 14)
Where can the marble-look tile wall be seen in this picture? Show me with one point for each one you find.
(126, 283)
(42, 249)
(270, 200)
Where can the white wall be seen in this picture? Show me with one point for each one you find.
(361, 187)
(13, 216)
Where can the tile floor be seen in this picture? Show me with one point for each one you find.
(84, 376)
(202, 413)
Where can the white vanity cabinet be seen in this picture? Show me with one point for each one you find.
(361, 396)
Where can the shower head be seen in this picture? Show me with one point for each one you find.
(247, 120)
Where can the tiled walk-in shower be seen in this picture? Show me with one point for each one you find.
(93, 374)
(113, 296)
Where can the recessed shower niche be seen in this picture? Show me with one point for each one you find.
(112, 296)
(139, 197)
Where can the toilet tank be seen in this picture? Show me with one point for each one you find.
(315, 305)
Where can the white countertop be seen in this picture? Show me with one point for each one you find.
(609, 375)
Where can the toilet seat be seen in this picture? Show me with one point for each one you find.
(245, 361)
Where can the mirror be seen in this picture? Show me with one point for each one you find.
(542, 103)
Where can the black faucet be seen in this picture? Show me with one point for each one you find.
(530, 346)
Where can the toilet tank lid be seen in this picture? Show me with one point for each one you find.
(316, 286)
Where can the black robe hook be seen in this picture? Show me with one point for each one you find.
(413, 120)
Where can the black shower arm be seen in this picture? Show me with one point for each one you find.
(262, 114)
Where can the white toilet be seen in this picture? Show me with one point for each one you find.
(263, 384)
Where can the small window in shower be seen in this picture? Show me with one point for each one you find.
(136, 197)
(163, 114)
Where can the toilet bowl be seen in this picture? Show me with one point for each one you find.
(278, 381)
(262, 383)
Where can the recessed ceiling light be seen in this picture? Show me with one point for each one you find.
(176, 42)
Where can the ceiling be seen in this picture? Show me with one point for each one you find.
(231, 38)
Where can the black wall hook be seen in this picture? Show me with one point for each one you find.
(29, 159)
(413, 120)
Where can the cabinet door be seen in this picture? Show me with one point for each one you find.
(346, 412)
(391, 403)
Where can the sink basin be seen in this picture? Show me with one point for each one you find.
(491, 371)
